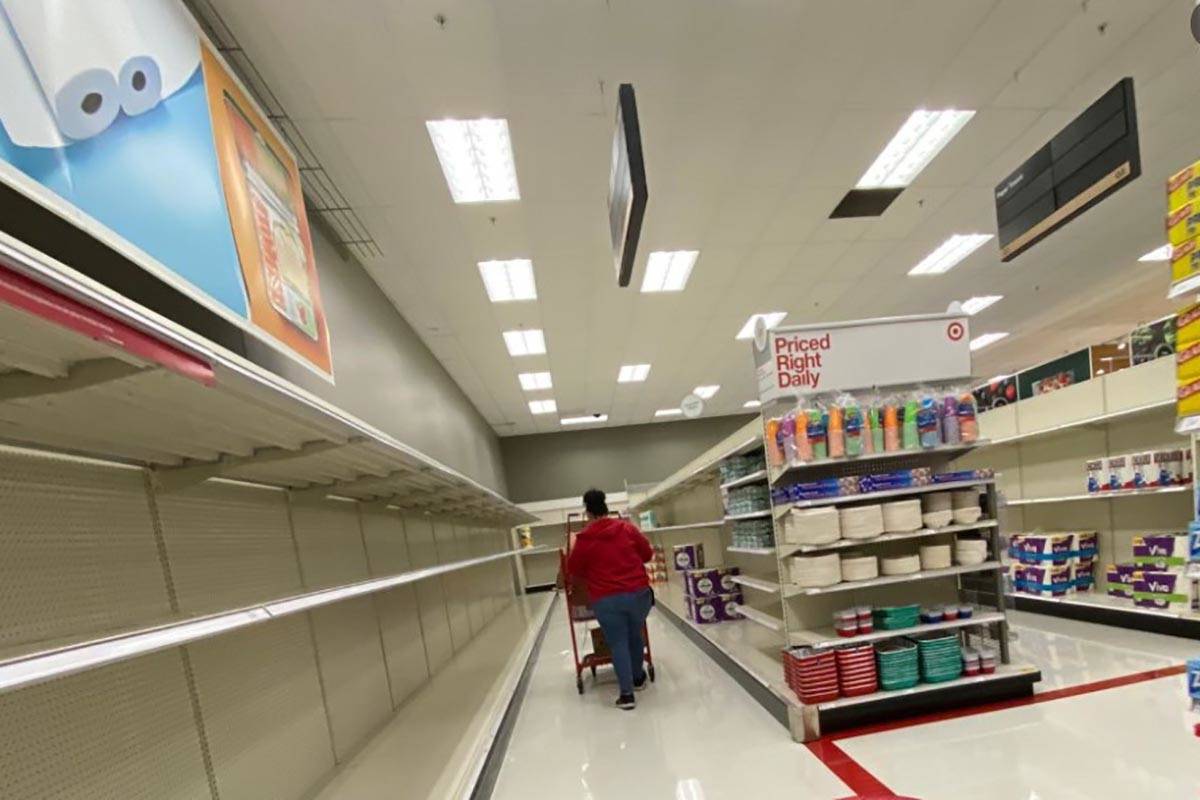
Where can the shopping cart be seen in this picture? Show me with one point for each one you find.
(580, 614)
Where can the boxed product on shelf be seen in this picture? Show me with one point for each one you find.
(688, 556)
(1050, 548)
(1151, 468)
(1183, 186)
(1087, 544)
(736, 467)
(719, 608)
(1160, 551)
(748, 499)
(709, 581)
(1045, 580)
(1095, 474)
(1085, 574)
(1162, 591)
(1119, 473)
(1168, 467)
(753, 533)
(1119, 578)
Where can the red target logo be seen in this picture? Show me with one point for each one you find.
(956, 331)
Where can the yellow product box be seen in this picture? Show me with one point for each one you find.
(1183, 223)
(1184, 186)
(1187, 327)
(1185, 260)
(1187, 398)
(1187, 363)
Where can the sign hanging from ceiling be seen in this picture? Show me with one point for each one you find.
(811, 359)
(626, 185)
(1089, 159)
(122, 119)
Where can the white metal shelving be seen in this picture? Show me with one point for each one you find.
(759, 585)
(748, 515)
(791, 590)
(751, 551)
(1096, 419)
(687, 526)
(869, 459)
(1111, 495)
(825, 638)
(842, 499)
(753, 477)
(1003, 672)
(842, 544)
(761, 618)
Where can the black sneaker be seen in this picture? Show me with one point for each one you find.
(626, 702)
(640, 685)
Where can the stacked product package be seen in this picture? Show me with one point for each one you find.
(1053, 564)
(736, 467)
(748, 499)
(1183, 235)
(1156, 578)
(753, 533)
(1145, 470)
(656, 567)
(866, 484)
(711, 594)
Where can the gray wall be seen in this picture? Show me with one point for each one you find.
(386, 376)
(547, 466)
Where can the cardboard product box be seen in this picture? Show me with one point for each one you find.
(1142, 467)
(1118, 473)
(1095, 474)
(1049, 580)
(1168, 467)
(1160, 552)
(1185, 260)
(710, 581)
(599, 645)
(1184, 186)
(688, 556)
(1046, 548)
(1163, 591)
(1183, 223)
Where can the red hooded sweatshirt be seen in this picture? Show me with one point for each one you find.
(609, 555)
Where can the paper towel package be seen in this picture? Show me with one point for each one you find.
(688, 556)
(1118, 585)
(709, 581)
(1048, 580)
(721, 608)
(1167, 551)
(1085, 574)
(1164, 591)
(1086, 544)
(1048, 548)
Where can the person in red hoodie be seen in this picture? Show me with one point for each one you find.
(609, 555)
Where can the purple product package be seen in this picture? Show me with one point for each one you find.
(1160, 552)
(1048, 580)
(1087, 545)
(1085, 574)
(1162, 591)
(710, 581)
(688, 556)
(1120, 580)
(705, 610)
(1050, 548)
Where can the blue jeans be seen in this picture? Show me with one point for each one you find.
(621, 617)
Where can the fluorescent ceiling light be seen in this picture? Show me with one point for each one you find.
(668, 412)
(633, 373)
(752, 404)
(772, 318)
(510, 280)
(949, 253)
(533, 381)
(668, 270)
(706, 392)
(584, 420)
(980, 342)
(1158, 254)
(525, 342)
(477, 159)
(977, 304)
(920, 138)
(542, 407)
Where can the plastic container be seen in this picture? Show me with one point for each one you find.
(966, 611)
(931, 615)
(949, 613)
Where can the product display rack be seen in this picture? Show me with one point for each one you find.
(1039, 447)
(538, 565)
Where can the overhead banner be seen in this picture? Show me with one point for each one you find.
(810, 359)
(120, 113)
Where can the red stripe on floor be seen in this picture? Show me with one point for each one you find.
(1016, 702)
(849, 771)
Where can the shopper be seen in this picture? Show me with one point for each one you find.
(609, 556)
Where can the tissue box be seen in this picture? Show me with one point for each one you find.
(1049, 580)
(688, 556)
(721, 608)
(1120, 579)
(1160, 552)
(1163, 591)
(709, 582)
(1049, 548)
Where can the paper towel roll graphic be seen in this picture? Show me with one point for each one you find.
(167, 34)
(141, 85)
(24, 114)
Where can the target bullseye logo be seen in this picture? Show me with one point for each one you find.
(956, 331)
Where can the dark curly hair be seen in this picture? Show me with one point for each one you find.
(594, 502)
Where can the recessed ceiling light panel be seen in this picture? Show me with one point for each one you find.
(477, 159)
(983, 340)
(949, 253)
(706, 392)
(1158, 254)
(535, 381)
(588, 420)
(668, 412)
(668, 270)
(525, 342)
(506, 281)
(542, 406)
(752, 404)
(771, 318)
(979, 303)
(633, 373)
(919, 140)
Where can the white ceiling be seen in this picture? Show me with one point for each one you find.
(757, 116)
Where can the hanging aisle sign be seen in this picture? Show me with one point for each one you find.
(809, 359)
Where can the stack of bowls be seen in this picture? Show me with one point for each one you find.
(935, 556)
(812, 526)
(900, 565)
(902, 516)
(965, 505)
(856, 670)
(861, 522)
(813, 676)
(897, 664)
(892, 618)
(970, 552)
(859, 567)
(940, 656)
(810, 572)
(937, 510)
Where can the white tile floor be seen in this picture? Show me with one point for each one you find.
(697, 734)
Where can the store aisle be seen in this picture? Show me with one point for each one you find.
(696, 734)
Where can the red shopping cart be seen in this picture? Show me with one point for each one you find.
(580, 614)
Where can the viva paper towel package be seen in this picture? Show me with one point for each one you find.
(1048, 580)
(1085, 574)
(1119, 578)
(1163, 591)
(1087, 544)
(1049, 548)
(1161, 552)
